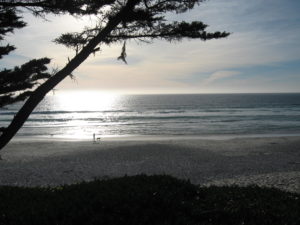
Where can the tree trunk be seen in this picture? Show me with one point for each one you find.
(38, 95)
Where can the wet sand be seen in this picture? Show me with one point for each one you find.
(267, 161)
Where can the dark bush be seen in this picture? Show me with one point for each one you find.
(146, 200)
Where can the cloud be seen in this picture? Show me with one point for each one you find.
(219, 75)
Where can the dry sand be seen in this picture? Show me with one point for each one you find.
(272, 162)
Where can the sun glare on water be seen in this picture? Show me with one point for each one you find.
(86, 101)
(86, 110)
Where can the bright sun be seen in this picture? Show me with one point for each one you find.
(87, 100)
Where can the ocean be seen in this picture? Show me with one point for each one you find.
(79, 116)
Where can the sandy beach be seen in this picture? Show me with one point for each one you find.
(266, 161)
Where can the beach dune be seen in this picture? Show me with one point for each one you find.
(268, 161)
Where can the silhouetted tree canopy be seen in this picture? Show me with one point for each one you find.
(16, 83)
(118, 21)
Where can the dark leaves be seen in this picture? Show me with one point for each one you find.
(146, 22)
(73, 7)
(9, 21)
(4, 50)
(16, 84)
(72, 40)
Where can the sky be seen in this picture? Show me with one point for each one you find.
(262, 54)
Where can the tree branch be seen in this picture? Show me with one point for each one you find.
(38, 95)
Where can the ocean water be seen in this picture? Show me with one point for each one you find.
(79, 116)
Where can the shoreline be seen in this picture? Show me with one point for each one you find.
(265, 161)
(148, 137)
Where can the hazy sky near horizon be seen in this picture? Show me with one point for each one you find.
(261, 55)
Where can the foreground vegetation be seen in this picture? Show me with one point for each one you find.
(147, 200)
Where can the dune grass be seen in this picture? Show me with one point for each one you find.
(146, 200)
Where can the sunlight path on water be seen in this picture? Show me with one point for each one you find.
(79, 115)
(84, 105)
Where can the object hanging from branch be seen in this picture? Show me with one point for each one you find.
(123, 53)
